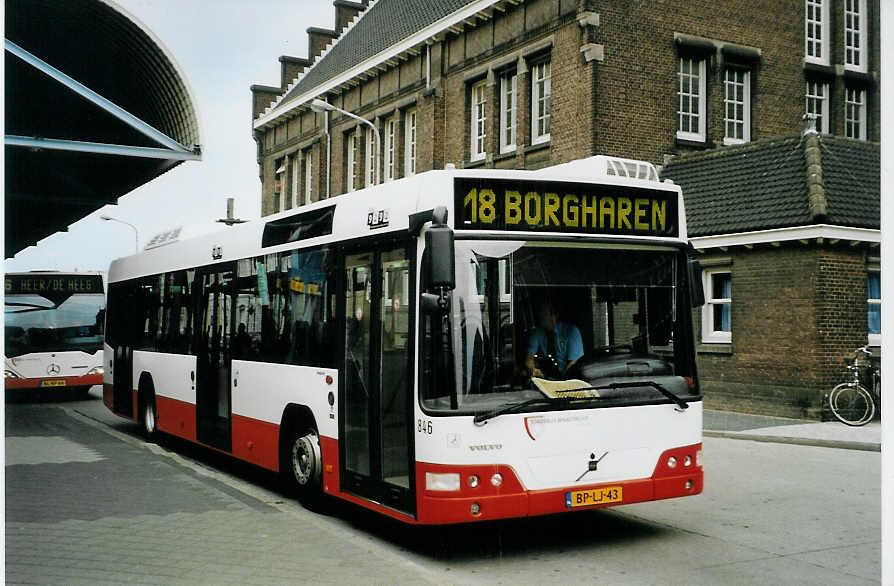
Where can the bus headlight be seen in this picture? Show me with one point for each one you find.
(10, 374)
(445, 482)
(473, 480)
(672, 462)
(96, 370)
(496, 479)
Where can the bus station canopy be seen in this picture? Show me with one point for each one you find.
(95, 107)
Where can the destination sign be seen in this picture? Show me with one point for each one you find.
(558, 206)
(53, 284)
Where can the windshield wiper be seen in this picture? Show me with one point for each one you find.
(512, 407)
(482, 417)
(648, 383)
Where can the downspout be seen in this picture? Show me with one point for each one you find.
(328, 153)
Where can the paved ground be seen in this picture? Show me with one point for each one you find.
(87, 502)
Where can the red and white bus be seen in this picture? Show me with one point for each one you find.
(380, 347)
(54, 330)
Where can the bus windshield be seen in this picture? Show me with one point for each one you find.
(531, 321)
(37, 324)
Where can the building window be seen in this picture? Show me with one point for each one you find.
(508, 103)
(541, 93)
(816, 32)
(818, 104)
(855, 113)
(716, 324)
(279, 180)
(736, 106)
(410, 143)
(390, 135)
(855, 34)
(351, 149)
(479, 121)
(691, 99)
(307, 162)
(874, 307)
(296, 173)
(370, 158)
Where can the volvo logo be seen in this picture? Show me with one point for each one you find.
(53, 369)
(592, 465)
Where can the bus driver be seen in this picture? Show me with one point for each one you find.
(554, 338)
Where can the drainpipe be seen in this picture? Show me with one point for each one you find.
(328, 153)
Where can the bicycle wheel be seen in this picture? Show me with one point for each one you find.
(852, 404)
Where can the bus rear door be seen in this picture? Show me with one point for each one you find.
(215, 312)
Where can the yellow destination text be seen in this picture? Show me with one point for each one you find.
(567, 211)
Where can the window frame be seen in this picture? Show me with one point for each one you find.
(746, 104)
(545, 66)
(701, 134)
(351, 165)
(815, 98)
(296, 176)
(410, 122)
(850, 105)
(308, 160)
(860, 33)
(389, 163)
(370, 177)
(873, 339)
(508, 111)
(709, 334)
(811, 24)
(478, 120)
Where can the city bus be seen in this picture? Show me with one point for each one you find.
(383, 347)
(54, 331)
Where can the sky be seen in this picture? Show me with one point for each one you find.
(223, 47)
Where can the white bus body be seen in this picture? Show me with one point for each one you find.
(302, 343)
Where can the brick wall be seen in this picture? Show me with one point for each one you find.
(796, 312)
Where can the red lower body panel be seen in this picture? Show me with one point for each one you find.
(510, 499)
(55, 382)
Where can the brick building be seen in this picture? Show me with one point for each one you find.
(533, 83)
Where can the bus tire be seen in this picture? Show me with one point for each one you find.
(303, 465)
(148, 413)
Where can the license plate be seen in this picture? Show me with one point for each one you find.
(594, 496)
(56, 382)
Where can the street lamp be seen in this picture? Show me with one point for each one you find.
(321, 106)
(136, 237)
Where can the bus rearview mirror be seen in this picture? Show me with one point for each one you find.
(696, 292)
(441, 258)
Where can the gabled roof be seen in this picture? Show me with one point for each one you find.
(384, 25)
(765, 185)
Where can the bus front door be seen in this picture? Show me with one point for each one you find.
(375, 426)
(213, 359)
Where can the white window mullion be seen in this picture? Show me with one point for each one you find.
(308, 176)
(855, 113)
(296, 172)
(736, 106)
(716, 313)
(508, 104)
(691, 99)
(410, 143)
(390, 131)
(816, 31)
(855, 35)
(541, 102)
(478, 119)
(370, 158)
(817, 103)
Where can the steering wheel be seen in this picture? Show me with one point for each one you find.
(548, 365)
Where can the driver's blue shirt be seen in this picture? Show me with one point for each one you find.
(569, 346)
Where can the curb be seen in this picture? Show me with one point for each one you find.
(801, 441)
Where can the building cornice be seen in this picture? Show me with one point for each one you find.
(815, 232)
(452, 21)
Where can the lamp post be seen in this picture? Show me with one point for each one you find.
(136, 234)
(321, 106)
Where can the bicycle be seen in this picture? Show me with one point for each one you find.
(851, 402)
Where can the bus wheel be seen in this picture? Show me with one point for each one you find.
(150, 418)
(304, 464)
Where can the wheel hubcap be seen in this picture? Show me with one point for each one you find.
(149, 418)
(304, 459)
